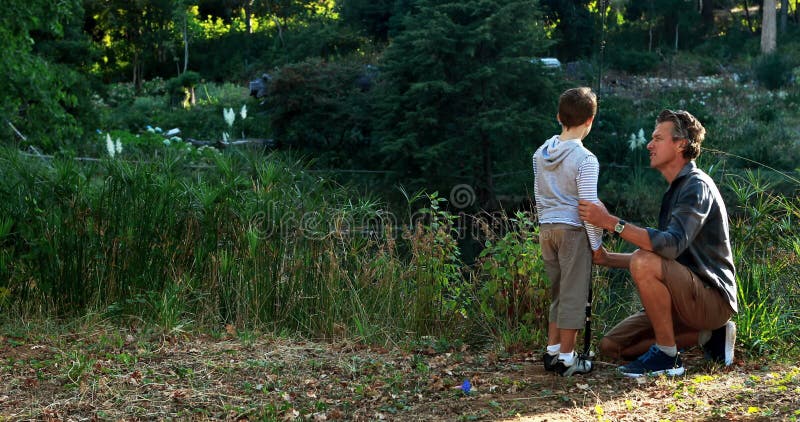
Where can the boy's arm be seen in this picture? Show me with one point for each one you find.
(588, 173)
(539, 207)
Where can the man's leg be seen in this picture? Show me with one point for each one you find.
(629, 351)
(647, 273)
(696, 307)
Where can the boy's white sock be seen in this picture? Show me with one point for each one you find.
(553, 349)
(567, 358)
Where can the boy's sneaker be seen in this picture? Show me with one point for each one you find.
(719, 348)
(549, 361)
(579, 365)
(654, 362)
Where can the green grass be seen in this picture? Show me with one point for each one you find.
(257, 243)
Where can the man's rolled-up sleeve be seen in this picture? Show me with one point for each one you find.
(690, 211)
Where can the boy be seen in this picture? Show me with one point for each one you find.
(565, 172)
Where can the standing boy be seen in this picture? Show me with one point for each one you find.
(566, 172)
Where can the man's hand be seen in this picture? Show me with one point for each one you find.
(600, 256)
(596, 214)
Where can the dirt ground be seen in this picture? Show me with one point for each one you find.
(110, 375)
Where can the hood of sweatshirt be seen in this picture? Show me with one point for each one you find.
(554, 151)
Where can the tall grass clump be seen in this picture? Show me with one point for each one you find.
(767, 255)
(243, 239)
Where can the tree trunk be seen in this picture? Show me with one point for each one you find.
(248, 16)
(676, 36)
(707, 15)
(747, 15)
(768, 27)
(185, 42)
(784, 15)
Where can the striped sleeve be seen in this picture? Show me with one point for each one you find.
(588, 173)
(539, 207)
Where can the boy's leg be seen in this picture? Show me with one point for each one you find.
(575, 260)
(549, 240)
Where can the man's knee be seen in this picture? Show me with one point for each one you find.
(645, 263)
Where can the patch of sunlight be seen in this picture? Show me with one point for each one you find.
(699, 379)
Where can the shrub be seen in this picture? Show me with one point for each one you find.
(512, 291)
(633, 61)
(772, 71)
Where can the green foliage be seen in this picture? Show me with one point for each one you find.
(318, 107)
(138, 40)
(570, 20)
(246, 240)
(126, 112)
(767, 255)
(377, 19)
(513, 293)
(41, 99)
(633, 61)
(458, 88)
(181, 88)
(772, 71)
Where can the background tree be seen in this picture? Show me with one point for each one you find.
(141, 38)
(41, 98)
(377, 19)
(768, 27)
(461, 93)
(569, 21)
(319, 108)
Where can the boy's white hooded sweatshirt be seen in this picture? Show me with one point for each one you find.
(564, 172)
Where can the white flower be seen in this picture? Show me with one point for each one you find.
(224, 136)
(119, 146)
(110, 146)
(243, 112)
(636, 140)
(632, 142)
(167, 142)
(229, 116)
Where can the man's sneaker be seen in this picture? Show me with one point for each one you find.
(719, 348)
(654, 362)
(549, 361)
(579, 365)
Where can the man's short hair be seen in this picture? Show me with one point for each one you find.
(685, 126)
(576, 106)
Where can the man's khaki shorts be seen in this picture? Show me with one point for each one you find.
(695, 307)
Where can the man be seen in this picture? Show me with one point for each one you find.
(683, 270)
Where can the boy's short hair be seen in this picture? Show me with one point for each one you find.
(576, 106)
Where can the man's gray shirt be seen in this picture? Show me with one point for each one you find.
(693, 230)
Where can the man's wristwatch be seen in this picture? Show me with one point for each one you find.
(619, 227)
